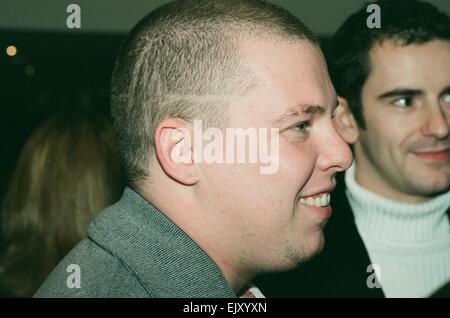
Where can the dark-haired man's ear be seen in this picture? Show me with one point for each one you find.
(174, 150)
(345, 122)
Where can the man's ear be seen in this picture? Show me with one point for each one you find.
(345, 122)
(174, 150)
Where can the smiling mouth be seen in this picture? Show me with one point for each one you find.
(320, 201)
(434, 156)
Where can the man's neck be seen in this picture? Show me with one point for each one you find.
(204, 229)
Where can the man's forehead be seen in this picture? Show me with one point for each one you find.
(290, 79)
(395, 52)
(285, 63)
(415, 66)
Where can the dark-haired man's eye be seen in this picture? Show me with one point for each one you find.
(403, 102)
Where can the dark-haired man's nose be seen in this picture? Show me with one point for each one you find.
(436, 124)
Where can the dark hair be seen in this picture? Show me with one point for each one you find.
(178, 54)
(404, 21)
(66, 173)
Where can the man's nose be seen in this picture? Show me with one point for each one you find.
(335, 153)
(436, 123)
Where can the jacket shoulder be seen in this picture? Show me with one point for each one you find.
(91, 271)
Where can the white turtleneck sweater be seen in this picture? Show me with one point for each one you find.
(409, 242)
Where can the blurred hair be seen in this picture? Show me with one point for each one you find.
(66, 173)
(179, 61)
(403, 21)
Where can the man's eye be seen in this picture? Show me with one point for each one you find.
(403, 102)
(446, 98)
(301, 127)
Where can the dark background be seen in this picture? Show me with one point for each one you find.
(50, 72)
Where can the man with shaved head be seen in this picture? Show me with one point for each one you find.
(190, 224)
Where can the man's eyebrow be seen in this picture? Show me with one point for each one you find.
(401, 92)
(297, 111)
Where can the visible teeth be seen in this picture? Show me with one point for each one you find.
(318, 202)
(323, 200)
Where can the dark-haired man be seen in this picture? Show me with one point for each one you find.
(390, 235)
(190, 225)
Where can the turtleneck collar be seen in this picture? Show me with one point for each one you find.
(382, 219)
